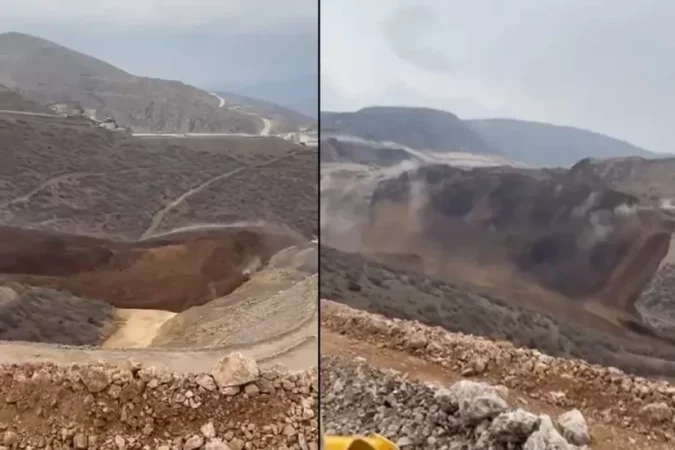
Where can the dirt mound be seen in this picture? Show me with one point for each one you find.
(619, 407)
(273, 303)
(304, 258)
(171, 273)
(98, 406)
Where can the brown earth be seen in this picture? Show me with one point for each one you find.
(135, 407)
(612, 402)
(172, 273)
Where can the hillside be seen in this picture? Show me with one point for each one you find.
(13, 101)
(48, 73)
(417, 128)
(286, 119)
(576, 254)
(298, 94)
(543, 144)
(118, 238)
(63, 175)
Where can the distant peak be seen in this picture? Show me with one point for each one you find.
(16, 36)
(404, 110)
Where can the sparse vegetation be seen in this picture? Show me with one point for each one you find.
(91, 181)
(433, 302)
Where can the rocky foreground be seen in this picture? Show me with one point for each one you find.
(606, 395)
(236, 406)
(357, 399)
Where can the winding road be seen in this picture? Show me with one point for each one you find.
(159, 215)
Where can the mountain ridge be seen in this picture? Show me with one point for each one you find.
(432, 130)
(48, 73)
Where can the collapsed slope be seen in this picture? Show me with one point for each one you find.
(172, 273)
(564, 261)
(570, 237)
(188, 290)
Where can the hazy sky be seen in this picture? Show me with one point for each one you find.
(208, 43)
(608, 66)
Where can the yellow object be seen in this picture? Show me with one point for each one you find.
(372, 442)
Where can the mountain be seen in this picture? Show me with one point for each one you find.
(48, 73)
(299, 94)
(544, 144)
(290, 118)
(417, 128)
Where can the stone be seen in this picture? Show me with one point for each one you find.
(574, 427)
(208, 430)
(80, 441)
(10, 438)
(96, 379)
(206, 381)
(657, 413)
(477, 401)
(546, 437)
(237, 444)
(193, 443)
(512, 426)
(120, 442)
(235, 369)
(216, 444)
(251, 389)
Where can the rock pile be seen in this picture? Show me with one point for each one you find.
(358, 399)
(237, 406)
(605, 393)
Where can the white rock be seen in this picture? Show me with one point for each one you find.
(193, 443)
(208, 430)
(235, 370)
(546, 437)
(206, 381)
(477, 401)
(574, 427)
(216, 444)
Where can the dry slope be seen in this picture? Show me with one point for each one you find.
(48, 73)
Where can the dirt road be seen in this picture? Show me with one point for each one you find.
(159, 215)
(297, 351)
(605, 436)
